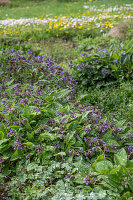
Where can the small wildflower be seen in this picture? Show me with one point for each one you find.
(28, 156)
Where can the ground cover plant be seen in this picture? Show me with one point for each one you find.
(66, 104)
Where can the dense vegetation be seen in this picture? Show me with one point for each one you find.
(66, 101)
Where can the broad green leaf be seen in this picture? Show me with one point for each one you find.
(107, 136)
(10, 82)
(62, 93)
(28, 126)
(50, 148)
(102, 194)
(130, 163)
(114, 67)
(110, 186)
(115, 170)
(79, 179)
(6, 170)
(17, 155)
(32, 166)
(1, 135)
(82, 96)
(101, 157)
(47, 136)
(121, 158)
(130, 183)
(86, 113)
(126, 195)
(103, 166)
(3, 128)
(7, 154)
(50, 96)
(3, 141)
(112, 142)
(28, 144)
(30, 136)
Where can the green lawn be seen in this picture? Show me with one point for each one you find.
(28, 9)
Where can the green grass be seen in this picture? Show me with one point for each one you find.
(40, 9)
(28, 9)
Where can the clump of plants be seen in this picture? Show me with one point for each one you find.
(47, 136)
(103, 67)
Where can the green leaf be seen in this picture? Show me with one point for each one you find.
(82, 96)
(126, 195)
(103, 166)
(107, 136)
(61, 154)
(17, 155)
(85, 114)
(32, 166)
(130, 183)
(28, 126)
(62, 93)
(130, 164)
(28, 144)
(47, 136)
(30, 136)
(121, 158)
(1, 135)
(101, 157)
(3, 128)
(12, 86)
(112, 142)
(114, 68)
(10, 82)
(3, 141)
(115, 170)
(50, 148)
(50, 96)
(79, 179)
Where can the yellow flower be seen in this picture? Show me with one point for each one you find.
(55, 26)
(79, 27)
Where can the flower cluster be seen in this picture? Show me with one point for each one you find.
(93, 18)
(88, 180)
(39, 106)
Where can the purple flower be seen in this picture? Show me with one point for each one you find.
(66, 176)
(70, 151)
(93, 148)
(7, 107)
(63, 120)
